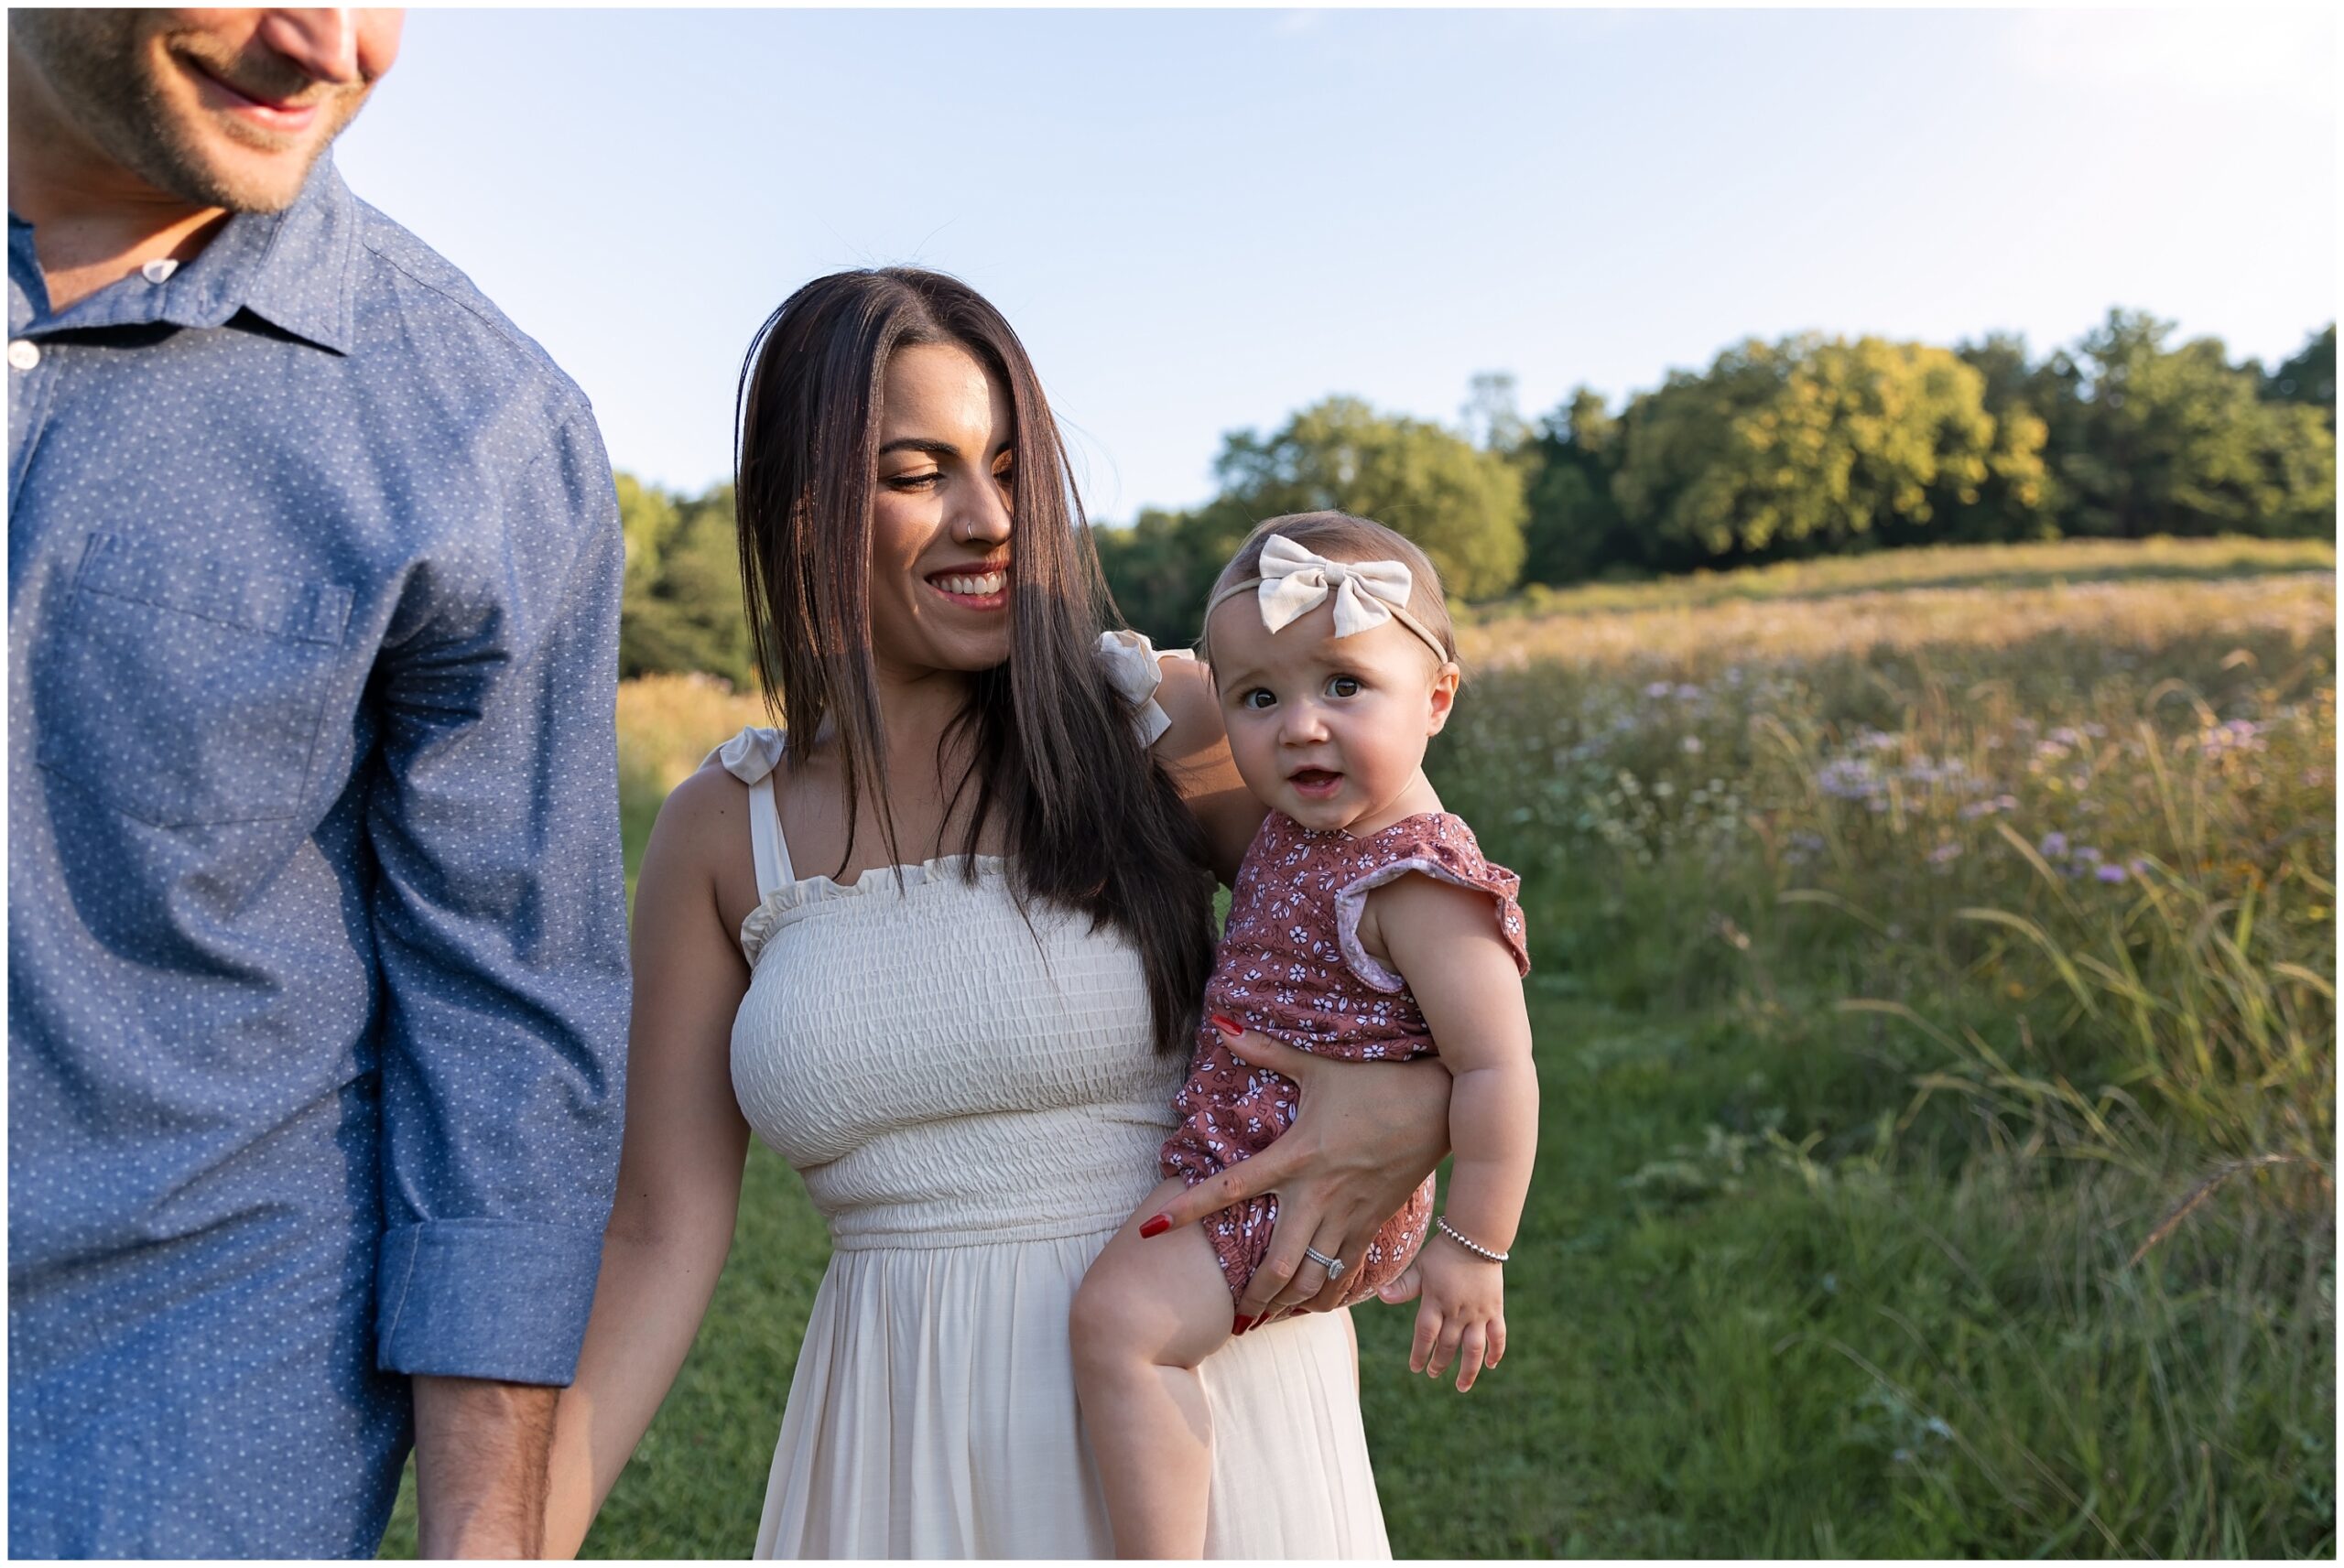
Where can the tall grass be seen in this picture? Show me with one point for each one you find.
(2024, 896)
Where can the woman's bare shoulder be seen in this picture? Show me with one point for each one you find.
(701, 840)
(711, 802)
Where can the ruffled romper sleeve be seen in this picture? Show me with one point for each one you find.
(1443, 848)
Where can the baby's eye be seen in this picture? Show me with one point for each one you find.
(1342, 685)
(1260, 697)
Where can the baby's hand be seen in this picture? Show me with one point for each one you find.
(1462, 1315)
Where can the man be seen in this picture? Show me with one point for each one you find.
(317, 973)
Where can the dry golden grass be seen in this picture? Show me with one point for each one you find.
(1776, 631)
(1936, 566)
(668, 724)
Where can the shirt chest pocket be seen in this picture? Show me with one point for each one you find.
(187, 690)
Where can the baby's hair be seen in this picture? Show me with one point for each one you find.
(1340, 536)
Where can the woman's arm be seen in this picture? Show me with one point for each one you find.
(1195, 750)
(679, 1162)
(1365, 1135)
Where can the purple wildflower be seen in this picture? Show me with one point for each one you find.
(1848, 778)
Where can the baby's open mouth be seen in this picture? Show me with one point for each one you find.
(1315, 783)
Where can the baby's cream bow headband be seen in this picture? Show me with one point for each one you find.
(1294, 582)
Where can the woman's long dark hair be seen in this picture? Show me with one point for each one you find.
(1092, 823)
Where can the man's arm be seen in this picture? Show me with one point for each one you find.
(480, 1466)
(500, 927)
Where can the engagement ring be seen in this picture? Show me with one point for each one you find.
(1334, 1266)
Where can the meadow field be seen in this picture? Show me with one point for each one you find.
(1934, 961)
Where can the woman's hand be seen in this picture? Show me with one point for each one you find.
(1365, 1135)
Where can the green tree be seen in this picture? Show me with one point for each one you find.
(1159, 571)
(682, 609)
(1462, 506)
(1811, 445)
(1491, 420)
(648, 517)
(2021, 496)
(2309, 377)
(1575, 529)
(2181, 441)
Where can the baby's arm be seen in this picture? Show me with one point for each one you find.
(1444, 940)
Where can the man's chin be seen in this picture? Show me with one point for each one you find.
(245, 171)
(222, 160)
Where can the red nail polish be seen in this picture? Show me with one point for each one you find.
(1157, 1227)
(1242, 1324)
(1227, 1026)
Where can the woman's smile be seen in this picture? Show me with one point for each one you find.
(982, 587)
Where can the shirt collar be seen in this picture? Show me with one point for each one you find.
(293, 269)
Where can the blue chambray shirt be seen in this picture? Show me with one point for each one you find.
(317, 970)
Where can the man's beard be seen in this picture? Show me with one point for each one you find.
(98, 64)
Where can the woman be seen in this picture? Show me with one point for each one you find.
(942, 946)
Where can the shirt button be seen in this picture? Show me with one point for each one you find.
(24, 354)
(156, 271)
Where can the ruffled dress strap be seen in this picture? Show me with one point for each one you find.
(1443, 848)
(1133, 670)
(751, 756)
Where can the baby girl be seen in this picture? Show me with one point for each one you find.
(1364, 924)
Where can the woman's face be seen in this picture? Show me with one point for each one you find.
(939, 515)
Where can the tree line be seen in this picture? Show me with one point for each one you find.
(1806, 446)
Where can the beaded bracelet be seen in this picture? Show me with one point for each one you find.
(1468, 1243)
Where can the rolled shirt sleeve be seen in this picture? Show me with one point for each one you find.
(499, 916)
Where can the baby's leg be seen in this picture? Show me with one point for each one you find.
(1147, 1313)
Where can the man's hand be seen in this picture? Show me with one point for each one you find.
(480, 1466)
(1365, 1135)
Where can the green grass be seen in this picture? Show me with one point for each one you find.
(1862, 1087)
(1719, 1361)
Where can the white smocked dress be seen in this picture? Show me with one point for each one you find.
(975, 1107)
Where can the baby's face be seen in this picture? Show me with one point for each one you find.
(1328, 730)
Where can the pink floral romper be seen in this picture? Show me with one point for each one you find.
(1290, 966)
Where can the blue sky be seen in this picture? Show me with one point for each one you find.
(1204, 220)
